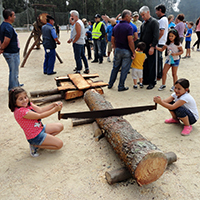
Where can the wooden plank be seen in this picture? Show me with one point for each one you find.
(72, 94)
(84, 76)
(95, 84)
(79, 81)
(67, 85)
(98, 84)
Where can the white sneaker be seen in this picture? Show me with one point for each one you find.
(192, 48)
(33, 151)
(162, 87)
(108, 59)
(198, 49)
(172, 89)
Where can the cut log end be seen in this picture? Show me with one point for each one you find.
(150, 168)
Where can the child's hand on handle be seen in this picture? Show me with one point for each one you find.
(59, 103)
(58, 106)
(157, 99)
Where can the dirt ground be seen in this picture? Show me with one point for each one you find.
(77, 171)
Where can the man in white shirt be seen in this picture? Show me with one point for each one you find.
(163, 31)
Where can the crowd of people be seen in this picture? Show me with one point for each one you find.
(135, 44)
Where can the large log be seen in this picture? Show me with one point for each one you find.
(122, 174)
(144, 160)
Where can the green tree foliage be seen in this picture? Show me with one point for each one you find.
(16, 5)
(190, 8)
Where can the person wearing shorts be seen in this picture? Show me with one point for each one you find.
(137, 65)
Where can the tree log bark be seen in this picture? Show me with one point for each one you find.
(78, 121)
(44, 92)
(144, 160)
(47, 99)
(123, 174)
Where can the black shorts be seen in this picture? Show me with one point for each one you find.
(187, 44)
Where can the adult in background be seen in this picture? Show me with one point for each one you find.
(109, 35)
(88, 36)
(163, 31)
(170, 21)
(180, 26)
(106, 24)
(78, 40)
(98, 33)
(49, 42)
(149, 34)
(138, 23)
(122, 41)
(197, 30)
(9, 46)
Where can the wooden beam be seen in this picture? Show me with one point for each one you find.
(86, 76)
(72, 94)
(79, 81)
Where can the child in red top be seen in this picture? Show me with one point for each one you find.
(29, 118)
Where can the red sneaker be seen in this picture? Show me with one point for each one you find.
(186, 130)
(172, 121)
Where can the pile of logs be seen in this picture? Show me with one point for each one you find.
(68, 87)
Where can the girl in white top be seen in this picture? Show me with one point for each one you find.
(181, 105)
(174, 51)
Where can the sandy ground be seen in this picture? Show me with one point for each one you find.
(77, 171)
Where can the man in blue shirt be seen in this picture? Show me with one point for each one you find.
(49, 42)
(9, 46)
(122, 41)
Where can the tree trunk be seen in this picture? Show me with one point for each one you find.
(123, 174)
(144, 160)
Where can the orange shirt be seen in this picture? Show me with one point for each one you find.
(139, 59)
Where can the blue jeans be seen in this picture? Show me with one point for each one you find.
(79, 53)
(122, 58)
(39, 139)
(13, 61)
(104, 43)
(98, 50)
(50, 58)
